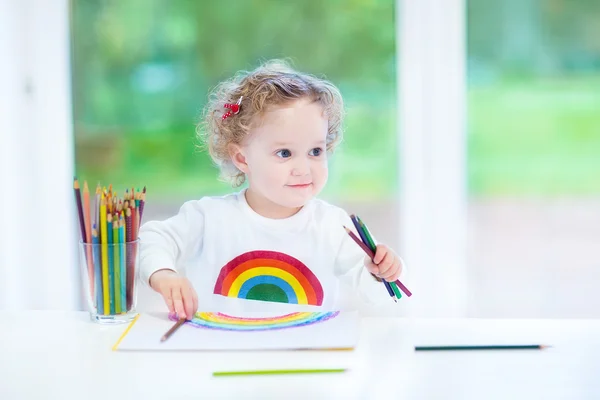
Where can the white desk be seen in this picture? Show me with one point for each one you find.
(61, 355)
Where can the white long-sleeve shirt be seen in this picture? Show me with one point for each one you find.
(237, 259)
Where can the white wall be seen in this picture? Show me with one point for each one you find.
(37, 237)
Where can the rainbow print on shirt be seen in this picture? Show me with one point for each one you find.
(269, 276)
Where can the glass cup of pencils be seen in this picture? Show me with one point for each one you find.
(109, 251)
(109, 273)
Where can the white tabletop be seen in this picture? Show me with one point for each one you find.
(53, 355)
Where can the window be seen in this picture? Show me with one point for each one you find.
(534, 157)
(141, 75)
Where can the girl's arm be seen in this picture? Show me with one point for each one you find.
(166, 244)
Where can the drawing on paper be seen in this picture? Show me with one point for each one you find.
(220, 321)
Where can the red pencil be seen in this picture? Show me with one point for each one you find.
(360, 243)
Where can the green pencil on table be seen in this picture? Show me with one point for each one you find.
(483, 347)
(279, 372)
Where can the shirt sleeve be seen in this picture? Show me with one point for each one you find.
(165, 244)
(350, 268)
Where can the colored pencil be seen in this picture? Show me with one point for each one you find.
(123, 275)
(362, 234)
(396, 284)
(370, 253)
(86, 212)
(142, 203)
(104, 254)
(97, 272)
(116, 264)
(97, 206)
(130, 258)
(359, 242)
(368, 235)
(111, 265)
(173, 329)
(88, 234)
(403, 288)
(79, 208)
(483, 347)
(369, 242)
(279, 372)
(133, 220)
(396, 290)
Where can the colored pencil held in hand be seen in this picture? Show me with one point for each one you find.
(367, 244)
(110, 243)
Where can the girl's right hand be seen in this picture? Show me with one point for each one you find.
(177, 291)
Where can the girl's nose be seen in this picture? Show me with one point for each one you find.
(301, 168)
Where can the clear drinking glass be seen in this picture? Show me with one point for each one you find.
(109, 274)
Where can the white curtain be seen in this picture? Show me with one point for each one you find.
(38, 268)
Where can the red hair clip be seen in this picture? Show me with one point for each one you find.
(233, 108)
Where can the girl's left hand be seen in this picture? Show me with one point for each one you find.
(386, 264)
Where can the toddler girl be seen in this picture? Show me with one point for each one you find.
(274, 243)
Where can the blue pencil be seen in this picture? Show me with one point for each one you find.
(111, 271)
(97, 270)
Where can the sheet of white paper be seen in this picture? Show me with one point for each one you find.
(146, 331)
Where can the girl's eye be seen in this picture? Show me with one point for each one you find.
(285, 153)
(316, 152)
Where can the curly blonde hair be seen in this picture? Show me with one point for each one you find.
(274, 83)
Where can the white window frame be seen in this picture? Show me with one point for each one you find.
(431, 49)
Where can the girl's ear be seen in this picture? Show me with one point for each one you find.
(238, 157)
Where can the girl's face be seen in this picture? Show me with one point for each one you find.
(284, 158)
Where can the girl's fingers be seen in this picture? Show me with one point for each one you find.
(398, 271)
(178, 302)
(380, 252)
(195, 300)
(394, 272)
(188, 301)
(372, 268)
(169, 300)
(385, 266)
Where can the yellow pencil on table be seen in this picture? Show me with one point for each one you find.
(104, 246)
